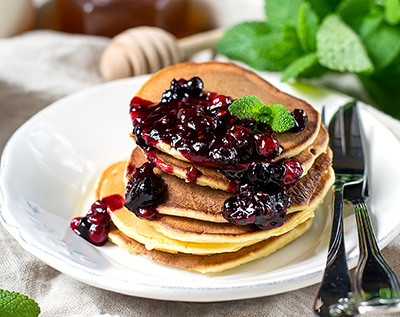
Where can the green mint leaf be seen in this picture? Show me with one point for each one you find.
(265, 111)
(277, 55)
(383, 88)
(240, 42)
(282, 119)
(353, 12)
(299, 66)
(276, 115)
(15, 304)
(392, 11)
(261, 45)
(340, 48)
(282, 12)
(370, 24)
(248, 107)
(307, 26)
(381, 40)
(324, 7)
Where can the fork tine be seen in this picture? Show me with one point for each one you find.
(356, 146)
(353, 141)
(336, 128)
(323, 116)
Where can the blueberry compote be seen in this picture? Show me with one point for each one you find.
(94, 227)
(200, 126)
(262, 198)
(144, 191)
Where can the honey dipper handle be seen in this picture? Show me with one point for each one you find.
(195, 43)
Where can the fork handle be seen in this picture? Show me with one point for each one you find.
(333, 294)
(375, 284)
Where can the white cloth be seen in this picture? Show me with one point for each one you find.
(35, 70)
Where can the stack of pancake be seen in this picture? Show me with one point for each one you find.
(190, 232)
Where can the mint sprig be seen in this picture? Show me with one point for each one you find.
(340, 48)
(277, 116)
(308, 38)
(16, 304)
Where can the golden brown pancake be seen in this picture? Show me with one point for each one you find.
(185, 229)
(210, 176)
(241, 82)
(205, 232)
(193, 230)
(143, 232)
(204, 203)
(215, 262)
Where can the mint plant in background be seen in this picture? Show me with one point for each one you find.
(308, 38)
(18, 305)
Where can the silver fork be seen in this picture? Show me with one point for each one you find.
(375, 285)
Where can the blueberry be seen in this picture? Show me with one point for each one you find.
(300, 120)
(267, 145)
(195, 86)
(195, 83)
(259, 174)
(97, 213)
(235, 211)
(224, 156)
(293, 172)
(277, 171)
(144, 189)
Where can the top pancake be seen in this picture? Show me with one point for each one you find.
(234, 81)
(212, 177)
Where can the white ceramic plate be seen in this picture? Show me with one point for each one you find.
(49, 167)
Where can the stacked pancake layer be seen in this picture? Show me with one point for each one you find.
(190, 231)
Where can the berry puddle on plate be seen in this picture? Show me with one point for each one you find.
(200, 125)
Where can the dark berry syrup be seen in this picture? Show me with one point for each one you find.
(192, 174)
(144, 191)
(200, 126)
(94, 227)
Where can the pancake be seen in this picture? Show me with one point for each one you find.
(143, 232)
(241, 82)
(215, 262)
(205, 232)
(185, 229)
(212, 177)
(204, 203)
(198, 231)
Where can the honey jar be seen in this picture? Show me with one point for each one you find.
(110, 17)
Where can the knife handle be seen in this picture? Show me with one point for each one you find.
(334, 295)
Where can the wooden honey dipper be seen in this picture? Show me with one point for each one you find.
(145, 49)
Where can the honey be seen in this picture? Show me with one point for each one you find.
(110, 17)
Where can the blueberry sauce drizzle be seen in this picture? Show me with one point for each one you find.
(192, 174)
(95, 226)
(144, 191)
(199, 125)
